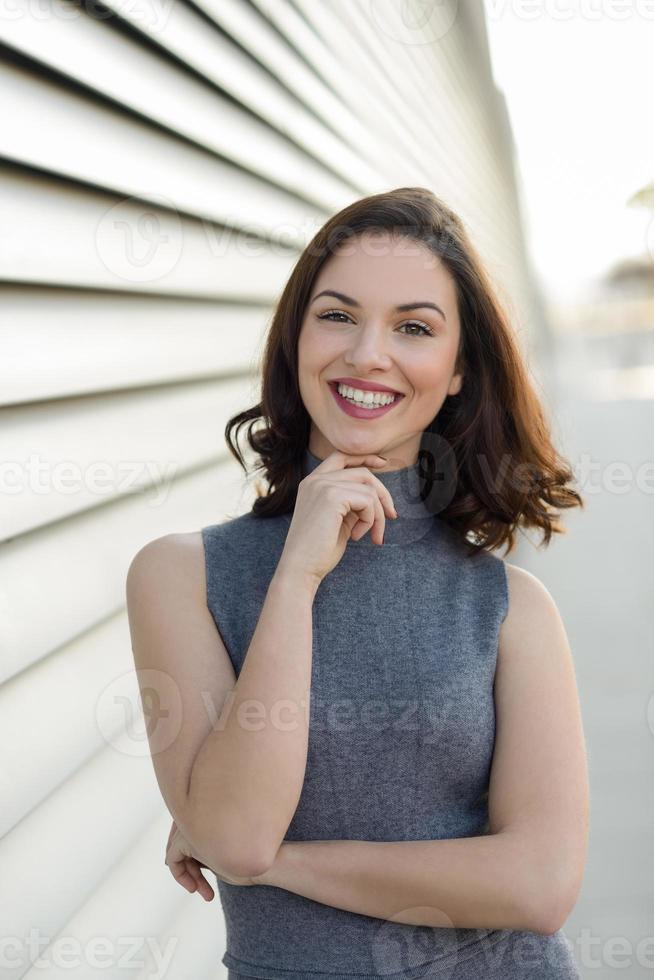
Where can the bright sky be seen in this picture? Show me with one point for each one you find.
(578, 77)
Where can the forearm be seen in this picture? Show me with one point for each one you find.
(461, 882)
(247, 777)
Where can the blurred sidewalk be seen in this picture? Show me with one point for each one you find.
(601, 576)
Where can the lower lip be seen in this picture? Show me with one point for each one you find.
(363, 413)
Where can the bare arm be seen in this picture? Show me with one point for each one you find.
(252, 766)
(461, 882)
(231, 775)
(524, 874)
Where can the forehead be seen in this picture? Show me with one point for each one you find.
(385, 270)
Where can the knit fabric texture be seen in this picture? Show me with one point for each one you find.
(402, 729)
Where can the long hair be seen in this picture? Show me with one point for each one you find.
(493, 435)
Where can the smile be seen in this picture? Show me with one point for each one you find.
(361, 410)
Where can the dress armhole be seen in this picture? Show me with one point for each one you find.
(212, 591)
(504, 592)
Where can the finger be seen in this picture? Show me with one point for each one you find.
(368, 510)
(182, 876)
(202, 885)
(363, 475)
(338, 461)
(382, 491)
(376, 520)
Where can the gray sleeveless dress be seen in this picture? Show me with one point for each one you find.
(402, 729)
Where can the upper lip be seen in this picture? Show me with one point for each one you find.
(364, 385)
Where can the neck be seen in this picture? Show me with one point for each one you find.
(415, 520)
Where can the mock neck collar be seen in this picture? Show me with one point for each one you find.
(415, 520)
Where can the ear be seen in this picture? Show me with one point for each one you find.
(455, 384)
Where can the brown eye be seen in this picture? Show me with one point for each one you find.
(331, 313)
(426, 332)
(414, 323)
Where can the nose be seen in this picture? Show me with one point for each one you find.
(368, 350)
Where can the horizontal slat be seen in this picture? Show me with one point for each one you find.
(177, 28)
(430, 105)
(256, 34)
(63, 234)
(177, 935)
(44, 702)
(366, 89)
(60, 342)
(370, 37)
(72, 454)
(88, 51)
(63, 580)
(52, 128)
(433, 114)
(67, 845)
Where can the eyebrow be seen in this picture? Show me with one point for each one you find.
(402, 308)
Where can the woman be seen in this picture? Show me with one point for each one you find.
(392, 778)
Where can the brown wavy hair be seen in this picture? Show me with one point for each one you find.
(492, 437)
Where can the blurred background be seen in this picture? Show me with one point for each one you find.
(162, 165)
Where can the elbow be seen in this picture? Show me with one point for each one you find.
(547, 890)
(549, 920)
(235, 859)
(226, 848)
(245, 856)
(245, 864)
(546, 923)
(550, 906)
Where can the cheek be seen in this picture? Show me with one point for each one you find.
(430, 379)
(317, 348)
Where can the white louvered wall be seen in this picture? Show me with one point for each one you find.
(161, 167)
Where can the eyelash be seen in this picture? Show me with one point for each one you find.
(416, 323)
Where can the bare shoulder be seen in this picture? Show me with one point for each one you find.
(185, 546)
(525, 587)
(176, 558)
(531, 608)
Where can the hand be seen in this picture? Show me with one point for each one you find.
(340, 499)
(184, 866)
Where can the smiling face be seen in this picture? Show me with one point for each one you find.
(413, 352)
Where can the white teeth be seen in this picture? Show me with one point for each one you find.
(365, 398)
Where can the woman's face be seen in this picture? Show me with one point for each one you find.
(364, 337)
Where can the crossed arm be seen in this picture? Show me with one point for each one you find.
(527, 872)
(477, 882)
